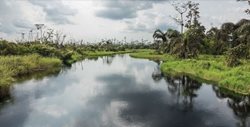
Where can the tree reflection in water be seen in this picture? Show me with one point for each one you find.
(157, 75)
(239, 104)
(4, 93)
(184, 89)
(107, 59)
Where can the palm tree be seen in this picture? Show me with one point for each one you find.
(175, 41)
(169, 39)
(158, 34)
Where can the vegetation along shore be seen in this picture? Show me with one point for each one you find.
(208, 68)
(219, 54)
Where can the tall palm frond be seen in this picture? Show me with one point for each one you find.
(158, 34)
(172, 33)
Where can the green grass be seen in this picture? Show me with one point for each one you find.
(91, 54)
(205, 67)
(14, 66)
(94, 54)
(150, 54)
(73, 58)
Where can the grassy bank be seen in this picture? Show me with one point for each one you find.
(94, 54)
(149, 54)
(14, 66)
(205, 67)
(76, 56)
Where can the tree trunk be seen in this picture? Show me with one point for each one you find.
(182, 24)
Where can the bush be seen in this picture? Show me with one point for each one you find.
(45, 50)
(234, 54)
(11, 66)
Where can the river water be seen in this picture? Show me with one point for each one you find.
(120, 91)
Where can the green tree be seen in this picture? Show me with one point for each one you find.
(158, 34)
(174, 40)
(214, 44)
(193, 38)
(241, 43)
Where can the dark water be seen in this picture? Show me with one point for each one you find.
(120, 91)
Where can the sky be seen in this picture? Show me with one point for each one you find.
(93, 20)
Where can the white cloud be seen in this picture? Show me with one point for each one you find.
(94, 20)
(55, 10)
(217, 12)
(123, 9)
(10, 17)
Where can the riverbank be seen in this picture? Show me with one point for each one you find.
(75, 56)
(205, 67)
(14, 66)
(94, 54)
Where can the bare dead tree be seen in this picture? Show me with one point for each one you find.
(22, 36)
(58, 36)
(81, 42)
(30, 35)
(48, 35)
(63, 39)
(181, 8)
(39, 27)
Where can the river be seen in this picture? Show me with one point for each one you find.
(120, 91)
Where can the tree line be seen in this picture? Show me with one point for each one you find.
(231, 39)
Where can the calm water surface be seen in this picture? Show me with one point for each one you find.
(120, 91)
